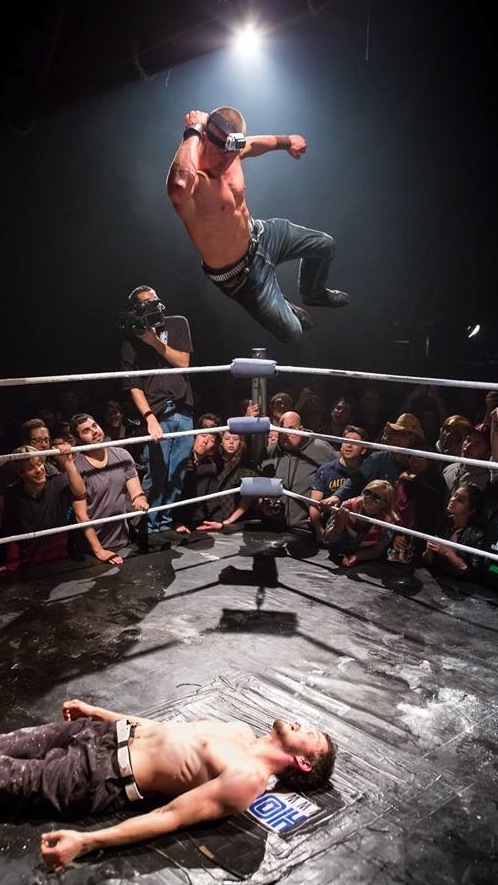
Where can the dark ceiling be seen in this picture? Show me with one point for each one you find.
(62, 49)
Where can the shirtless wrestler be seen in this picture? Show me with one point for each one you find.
(240, 254)
(101, 761)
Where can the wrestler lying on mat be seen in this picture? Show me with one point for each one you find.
(100, 761)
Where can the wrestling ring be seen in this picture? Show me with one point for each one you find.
(242, 625)
(257, 370)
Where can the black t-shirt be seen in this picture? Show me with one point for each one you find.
(50, 508)
(158, 389)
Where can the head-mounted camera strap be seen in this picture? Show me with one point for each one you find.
(234, 141)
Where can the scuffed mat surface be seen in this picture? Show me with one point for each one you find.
(401, 672)
(394, 782)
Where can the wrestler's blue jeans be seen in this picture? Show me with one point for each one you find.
(259, 292)
(167, 462)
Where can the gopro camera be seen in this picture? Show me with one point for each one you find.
(235, 141)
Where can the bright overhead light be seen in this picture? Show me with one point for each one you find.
(247, 40)
(472, 331)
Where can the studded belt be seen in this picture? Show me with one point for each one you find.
(124, 731)
(223, 274)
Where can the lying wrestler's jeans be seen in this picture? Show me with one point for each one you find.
(167, 463)
(260, 294)
(63, 768)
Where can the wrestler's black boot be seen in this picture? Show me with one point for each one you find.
(328, 298)
(302, 315)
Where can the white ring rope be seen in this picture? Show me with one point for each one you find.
(473, 462)
(392, 527)
(94, 376)
(106, 444)
(253, 364)
(402, 379)
(134, 440)
(119, 516)
(400, 529)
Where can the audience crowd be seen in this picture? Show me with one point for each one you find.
(350, 497)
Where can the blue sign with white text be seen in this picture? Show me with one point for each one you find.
(281, 811)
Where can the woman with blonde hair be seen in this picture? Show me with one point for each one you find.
(354, 539)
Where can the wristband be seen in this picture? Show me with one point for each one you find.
(140, 495)
(195, 129)
(283, 142)
(147, 413)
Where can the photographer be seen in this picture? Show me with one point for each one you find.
(156, 341)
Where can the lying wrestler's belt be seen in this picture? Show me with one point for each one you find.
(222, 275)
(125, 731)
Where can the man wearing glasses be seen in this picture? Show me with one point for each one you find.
(35, 433)
(239, 253)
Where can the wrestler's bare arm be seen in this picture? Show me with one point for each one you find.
(256, 145)
(182, 178)
(76, 709)
(226, 794)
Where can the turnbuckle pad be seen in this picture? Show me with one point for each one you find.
(253, 368)
(261, 487)
(245, 424)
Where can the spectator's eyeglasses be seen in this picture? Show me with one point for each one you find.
(377, 498)
(40, 439)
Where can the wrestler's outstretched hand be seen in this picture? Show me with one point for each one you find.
(60, 847)
(76, 709)
(297, 146)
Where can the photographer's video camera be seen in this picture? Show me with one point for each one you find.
(141, 316)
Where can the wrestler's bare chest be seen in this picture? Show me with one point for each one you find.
(174, 757)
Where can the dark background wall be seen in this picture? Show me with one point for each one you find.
(396, 101)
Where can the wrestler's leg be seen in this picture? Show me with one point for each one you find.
(316, 249)
(78, 778)
(36, 741)
(260, 295)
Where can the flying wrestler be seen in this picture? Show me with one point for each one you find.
(240, 254)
